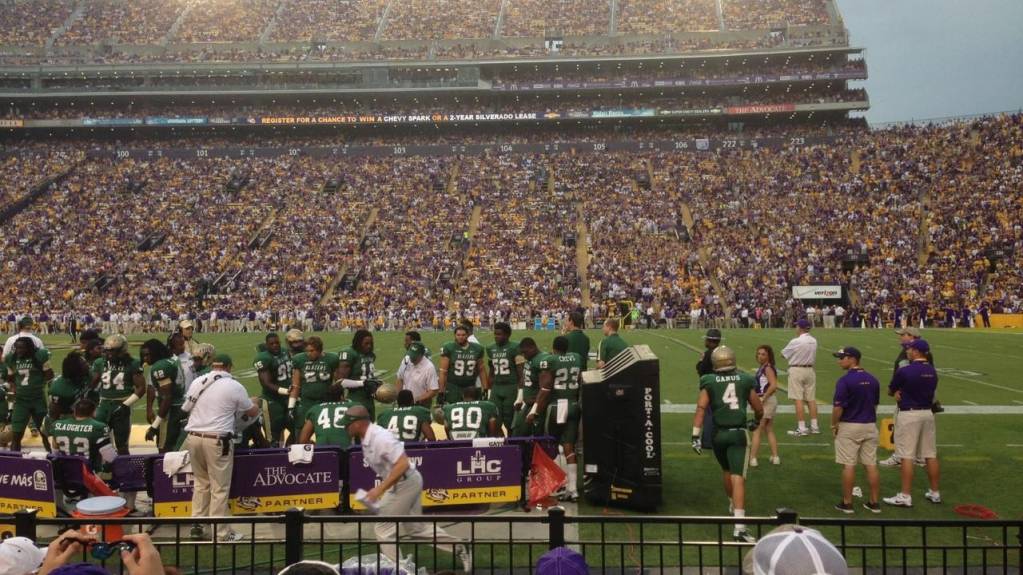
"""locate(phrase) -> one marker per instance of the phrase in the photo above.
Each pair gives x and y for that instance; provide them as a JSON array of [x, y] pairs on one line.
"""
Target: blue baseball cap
[[920, 345], [848, 351], [561, 561], [803, 324]]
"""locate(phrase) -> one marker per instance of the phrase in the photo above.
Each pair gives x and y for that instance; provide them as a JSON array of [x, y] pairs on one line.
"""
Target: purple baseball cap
[[920, 345], [803, 324], [561, 561]]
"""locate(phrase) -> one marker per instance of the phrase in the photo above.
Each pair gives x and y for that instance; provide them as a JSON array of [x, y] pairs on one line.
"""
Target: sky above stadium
[[939, 58]]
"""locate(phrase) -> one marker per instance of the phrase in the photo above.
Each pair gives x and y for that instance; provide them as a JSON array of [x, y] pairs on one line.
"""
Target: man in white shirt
[[24, 330], [399, 490], [211, 423], [418, 375], [801, 353]]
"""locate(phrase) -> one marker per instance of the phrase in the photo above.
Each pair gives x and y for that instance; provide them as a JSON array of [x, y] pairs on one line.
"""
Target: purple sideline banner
[[260, 483], [453, 475], [27, 483]]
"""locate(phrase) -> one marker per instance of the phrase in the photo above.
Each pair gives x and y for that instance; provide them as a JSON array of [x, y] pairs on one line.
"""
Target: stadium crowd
[[660, 17], [911, 209]]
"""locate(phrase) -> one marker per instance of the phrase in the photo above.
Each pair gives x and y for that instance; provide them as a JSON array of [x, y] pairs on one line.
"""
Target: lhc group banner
[[453, 475], [26, 483], [260, 483]]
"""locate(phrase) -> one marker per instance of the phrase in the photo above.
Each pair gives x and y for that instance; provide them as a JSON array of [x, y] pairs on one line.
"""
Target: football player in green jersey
[[120, 381], [28, 370], [167, 379], [461, 362], [312, 373], [324, 420], [92, 349], [578, 342], [471, 418], [558, 405], [727, 392], [612, 344], [506, 367], [69, 387], [81, 434], [407, 421], [273, 369], [357, 370], [539, 373]]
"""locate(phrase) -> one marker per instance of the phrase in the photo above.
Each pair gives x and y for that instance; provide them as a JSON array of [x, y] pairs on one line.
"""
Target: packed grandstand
[[370, 163]]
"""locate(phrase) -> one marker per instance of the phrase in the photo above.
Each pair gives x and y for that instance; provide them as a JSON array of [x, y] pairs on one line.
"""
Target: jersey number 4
[[729, 398]]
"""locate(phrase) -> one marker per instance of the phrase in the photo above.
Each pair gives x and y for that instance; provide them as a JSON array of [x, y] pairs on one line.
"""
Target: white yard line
[[968, 402]]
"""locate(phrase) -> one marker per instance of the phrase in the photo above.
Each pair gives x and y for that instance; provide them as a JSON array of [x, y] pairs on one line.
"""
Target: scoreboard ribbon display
[[27, 483], [453, 475], [260, 483]]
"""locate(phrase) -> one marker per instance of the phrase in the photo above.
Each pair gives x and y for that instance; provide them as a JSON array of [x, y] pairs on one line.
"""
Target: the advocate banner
[[453, 475], [260, 483], [26, 483], [817, 292], [761, 109]]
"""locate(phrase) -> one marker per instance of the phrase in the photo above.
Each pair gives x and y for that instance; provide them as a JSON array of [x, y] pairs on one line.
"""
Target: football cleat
[[753, 462], [775, 460], [463, 554], [798, 432], [932, 496], [872, 507], [743, 536]]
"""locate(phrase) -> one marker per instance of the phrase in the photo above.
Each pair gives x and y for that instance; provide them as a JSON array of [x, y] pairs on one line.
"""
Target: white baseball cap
[[20, 556], [795, 550]]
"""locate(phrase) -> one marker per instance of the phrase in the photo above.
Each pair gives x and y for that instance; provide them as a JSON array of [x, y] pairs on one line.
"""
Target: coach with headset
[[211, 424]]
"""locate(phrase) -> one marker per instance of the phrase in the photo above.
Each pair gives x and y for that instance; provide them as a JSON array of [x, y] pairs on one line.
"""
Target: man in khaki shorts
[[854, 424], [801, 353], [914, 387]]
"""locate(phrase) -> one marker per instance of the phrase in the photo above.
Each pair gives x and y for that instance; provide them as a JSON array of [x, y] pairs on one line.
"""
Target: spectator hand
[[697, 445], [63, 549], [144, 559]]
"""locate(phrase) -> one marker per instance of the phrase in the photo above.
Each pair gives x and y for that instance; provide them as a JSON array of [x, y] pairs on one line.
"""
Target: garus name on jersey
[[73, 427], [285, 476], [723, 378]]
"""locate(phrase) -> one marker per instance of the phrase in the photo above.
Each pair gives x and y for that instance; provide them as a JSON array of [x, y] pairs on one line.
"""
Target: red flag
[[545, 477], [94, 484]]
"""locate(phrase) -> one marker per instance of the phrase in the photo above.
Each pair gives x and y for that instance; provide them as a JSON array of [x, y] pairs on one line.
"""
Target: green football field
[[979, 440], [979, 436]]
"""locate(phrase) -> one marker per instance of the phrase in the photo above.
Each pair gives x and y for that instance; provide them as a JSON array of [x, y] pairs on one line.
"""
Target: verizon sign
[[817, 292]]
